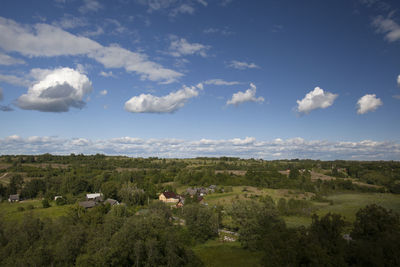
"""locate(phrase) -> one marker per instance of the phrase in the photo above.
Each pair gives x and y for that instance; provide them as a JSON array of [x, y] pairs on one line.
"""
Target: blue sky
[[175, 78]]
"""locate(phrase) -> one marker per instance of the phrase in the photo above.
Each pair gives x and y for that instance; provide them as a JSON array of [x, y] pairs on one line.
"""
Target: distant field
[[230, 254], [9, 210], [348, 204]]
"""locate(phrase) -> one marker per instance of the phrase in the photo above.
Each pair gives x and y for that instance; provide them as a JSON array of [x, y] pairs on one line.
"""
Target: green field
[[347, 204], [10, 211], [230, 254]]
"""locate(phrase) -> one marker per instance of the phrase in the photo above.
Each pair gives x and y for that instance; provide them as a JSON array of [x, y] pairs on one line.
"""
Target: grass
[[347, 204], [9, 211], [231, 254], [297, 221]]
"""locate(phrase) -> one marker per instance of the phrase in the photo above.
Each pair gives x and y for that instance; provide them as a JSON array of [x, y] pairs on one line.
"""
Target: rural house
[[169, 197], [13, 198], [94, 197]]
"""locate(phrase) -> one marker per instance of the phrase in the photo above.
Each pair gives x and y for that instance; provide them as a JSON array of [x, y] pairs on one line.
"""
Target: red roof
[[170, 195]]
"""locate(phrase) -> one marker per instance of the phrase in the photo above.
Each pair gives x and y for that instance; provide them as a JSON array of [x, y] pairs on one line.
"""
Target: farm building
[[169, 197], [13, 198], [94, 197]]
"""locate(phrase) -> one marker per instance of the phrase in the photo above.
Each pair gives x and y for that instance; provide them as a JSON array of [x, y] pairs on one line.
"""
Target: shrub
[[61, 201], [20, 209], [30, 207], [46, 204]]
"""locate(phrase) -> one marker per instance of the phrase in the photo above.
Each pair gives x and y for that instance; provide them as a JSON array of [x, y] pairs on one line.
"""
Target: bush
[[61, 201], [46, 204], [20, 209], [30, 207]]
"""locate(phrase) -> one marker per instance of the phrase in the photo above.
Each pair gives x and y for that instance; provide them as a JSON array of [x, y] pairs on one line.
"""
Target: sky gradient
[[174, 78]]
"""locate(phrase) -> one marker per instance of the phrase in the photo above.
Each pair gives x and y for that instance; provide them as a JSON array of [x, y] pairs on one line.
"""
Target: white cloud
[[107, 74], [240, 65], [220, 82], [147, 103], [1, 94], [388, 27], [117, 57], [247, 147], [224, 31], [398, 80], [315, 99], [90, 6], [48, 41], [14, 80], [70, 22], [248, 96], [104, 92], [368, 103], [56, 91], [225, 2], [182, 9], [180, 47], [204, 3], [172, 7], [7, 60]]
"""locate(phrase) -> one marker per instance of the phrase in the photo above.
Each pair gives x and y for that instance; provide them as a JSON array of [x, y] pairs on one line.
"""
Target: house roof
[[93, 195], [87, 204], [170, 195], [14, 197]]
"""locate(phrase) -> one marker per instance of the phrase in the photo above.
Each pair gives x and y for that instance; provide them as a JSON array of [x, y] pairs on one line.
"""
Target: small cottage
[[169, 197], [95, 197], [13, 198]]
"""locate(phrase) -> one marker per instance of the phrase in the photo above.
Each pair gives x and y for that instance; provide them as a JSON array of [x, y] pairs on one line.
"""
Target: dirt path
[[4, 175]]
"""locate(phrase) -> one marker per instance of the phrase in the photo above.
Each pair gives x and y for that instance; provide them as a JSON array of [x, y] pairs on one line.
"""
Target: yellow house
[[169, 197]]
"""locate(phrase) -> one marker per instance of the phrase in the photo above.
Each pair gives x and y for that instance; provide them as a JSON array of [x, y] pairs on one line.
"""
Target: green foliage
[[60, 201], [45, 203], [376, 235], [202, 222]]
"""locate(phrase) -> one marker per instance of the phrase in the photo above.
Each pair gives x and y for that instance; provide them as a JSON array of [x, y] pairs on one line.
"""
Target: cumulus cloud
[[317, 98], [398, 80], [248, 96], [368, 103], [45, 40], [147, 103], [220, 82], [388, 27], [104, 92], [56, 91], [240, 65], [247, 147], [180, 47], [7, 60], [1, 94]]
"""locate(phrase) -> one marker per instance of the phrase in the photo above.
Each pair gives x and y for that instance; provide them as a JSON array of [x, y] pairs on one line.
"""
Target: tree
[[376, 237], [201, 221]]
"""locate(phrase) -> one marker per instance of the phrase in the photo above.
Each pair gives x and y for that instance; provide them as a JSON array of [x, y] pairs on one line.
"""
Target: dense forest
[[146, 232]]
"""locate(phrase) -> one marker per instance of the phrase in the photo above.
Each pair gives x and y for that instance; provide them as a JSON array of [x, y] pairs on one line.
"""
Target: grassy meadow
[[10, 211], [217, 253]]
